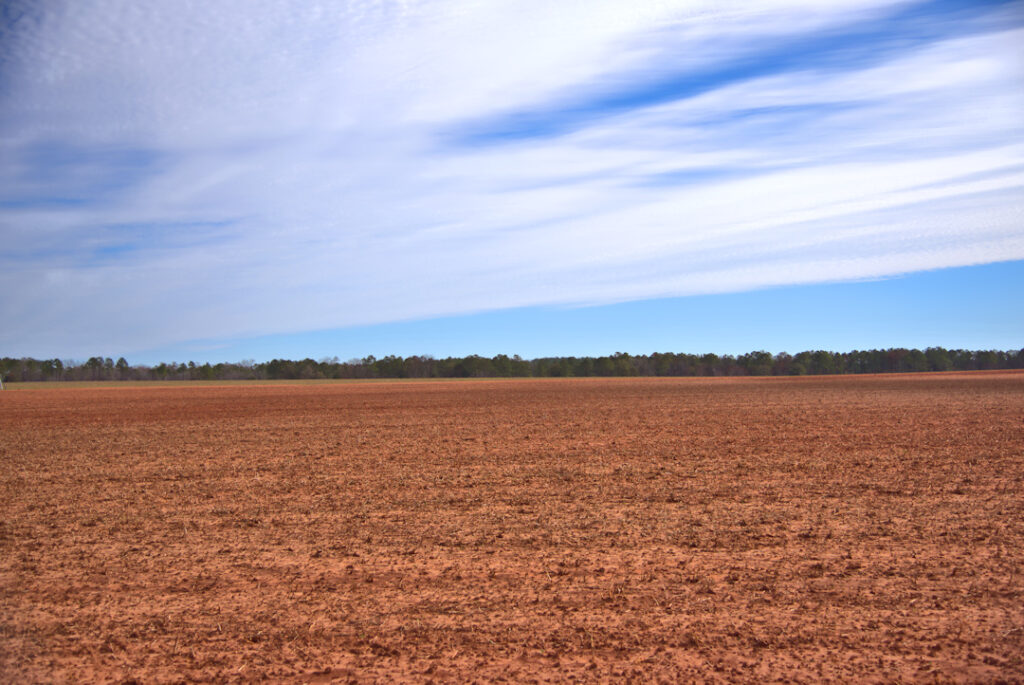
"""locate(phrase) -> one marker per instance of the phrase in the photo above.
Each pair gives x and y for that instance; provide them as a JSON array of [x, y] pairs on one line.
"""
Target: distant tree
[[502, 365], [560, 368], [938, 359], [95, 367], [781, 364], [390, 367], [988, 359], [684, 365], [711, 365], [604, 366], [915, 360], [419, 367], [521, 367], [757, 363], [661, 364], [620, 364], [582, 367], [822, 362]]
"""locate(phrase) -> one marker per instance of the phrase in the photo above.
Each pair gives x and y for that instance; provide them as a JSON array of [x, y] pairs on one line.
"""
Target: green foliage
[[759, 363]]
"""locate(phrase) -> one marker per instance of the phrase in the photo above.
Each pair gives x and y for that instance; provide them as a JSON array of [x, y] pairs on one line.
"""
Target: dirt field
[[848, 529]]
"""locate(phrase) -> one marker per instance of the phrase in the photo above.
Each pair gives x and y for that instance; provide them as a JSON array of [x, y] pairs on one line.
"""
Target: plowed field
[[854, 528]]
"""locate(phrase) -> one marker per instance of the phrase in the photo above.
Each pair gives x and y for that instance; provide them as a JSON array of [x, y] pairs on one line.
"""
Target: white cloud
[[301, 168]]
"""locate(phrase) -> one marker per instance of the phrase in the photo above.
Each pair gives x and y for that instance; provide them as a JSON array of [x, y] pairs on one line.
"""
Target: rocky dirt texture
[[852, 529]]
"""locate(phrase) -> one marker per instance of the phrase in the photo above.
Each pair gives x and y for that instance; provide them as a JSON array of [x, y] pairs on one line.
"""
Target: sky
[[253, 179]]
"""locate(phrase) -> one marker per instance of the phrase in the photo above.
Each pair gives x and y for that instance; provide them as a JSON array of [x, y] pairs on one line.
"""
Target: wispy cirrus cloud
[[247, 168]]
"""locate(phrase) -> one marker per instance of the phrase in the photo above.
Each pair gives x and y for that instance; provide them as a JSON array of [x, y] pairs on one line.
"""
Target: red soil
[[853, 528]]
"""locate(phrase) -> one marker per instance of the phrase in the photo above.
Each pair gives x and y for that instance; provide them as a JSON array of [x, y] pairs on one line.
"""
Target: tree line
[[815, 362]]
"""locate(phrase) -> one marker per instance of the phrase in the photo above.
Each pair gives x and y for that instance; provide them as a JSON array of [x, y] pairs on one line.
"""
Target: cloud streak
[[251, 168]]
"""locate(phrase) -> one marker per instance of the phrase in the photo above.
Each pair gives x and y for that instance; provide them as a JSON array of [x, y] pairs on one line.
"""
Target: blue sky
[[266, 179], [963, 308]]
